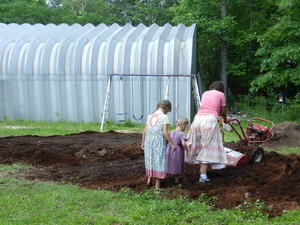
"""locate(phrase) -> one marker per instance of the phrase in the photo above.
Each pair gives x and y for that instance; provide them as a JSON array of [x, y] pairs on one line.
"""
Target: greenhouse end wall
[[60, 72]]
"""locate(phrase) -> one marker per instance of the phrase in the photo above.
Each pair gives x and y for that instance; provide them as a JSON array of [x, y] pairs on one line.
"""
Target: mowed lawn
[[35, 202]]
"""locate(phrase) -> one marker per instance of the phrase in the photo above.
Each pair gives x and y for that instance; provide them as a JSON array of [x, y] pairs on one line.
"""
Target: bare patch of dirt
[[113, 160], [285, 134]]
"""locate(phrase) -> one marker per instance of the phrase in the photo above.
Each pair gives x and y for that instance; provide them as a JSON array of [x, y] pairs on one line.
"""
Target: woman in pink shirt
[[204, 138]]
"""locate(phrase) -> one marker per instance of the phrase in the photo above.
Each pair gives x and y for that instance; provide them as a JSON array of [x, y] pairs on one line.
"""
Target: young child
[[154, 143], [175, 157]]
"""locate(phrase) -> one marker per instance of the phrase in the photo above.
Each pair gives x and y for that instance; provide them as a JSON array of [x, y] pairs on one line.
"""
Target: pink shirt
[[211, 103]]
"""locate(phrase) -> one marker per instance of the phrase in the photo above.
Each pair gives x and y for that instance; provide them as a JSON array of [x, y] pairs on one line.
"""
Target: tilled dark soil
[[113, 160]]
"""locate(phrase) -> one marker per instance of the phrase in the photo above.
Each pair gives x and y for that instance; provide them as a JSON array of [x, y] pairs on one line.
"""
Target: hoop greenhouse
[[61, 72]]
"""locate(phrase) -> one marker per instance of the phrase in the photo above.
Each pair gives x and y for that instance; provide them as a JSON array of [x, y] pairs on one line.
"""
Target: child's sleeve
[[182, 137], [148, 119], [165, 119]]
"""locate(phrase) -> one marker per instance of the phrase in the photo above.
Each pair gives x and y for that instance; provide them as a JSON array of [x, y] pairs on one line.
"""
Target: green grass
[[285, 150], [32, 202], [21, 127]]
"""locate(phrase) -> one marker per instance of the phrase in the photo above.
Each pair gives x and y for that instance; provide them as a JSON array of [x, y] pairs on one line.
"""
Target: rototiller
[[248, 148]]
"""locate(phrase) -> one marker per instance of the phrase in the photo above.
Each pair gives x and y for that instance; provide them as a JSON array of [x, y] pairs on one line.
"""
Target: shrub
[[267, 107]]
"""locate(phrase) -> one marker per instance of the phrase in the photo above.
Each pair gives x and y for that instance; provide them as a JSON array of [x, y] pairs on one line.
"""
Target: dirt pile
[[285, 134], [70, 149], [114, 160]]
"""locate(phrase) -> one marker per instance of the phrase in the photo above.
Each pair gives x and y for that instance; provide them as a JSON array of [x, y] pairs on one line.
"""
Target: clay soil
[[113, 161]]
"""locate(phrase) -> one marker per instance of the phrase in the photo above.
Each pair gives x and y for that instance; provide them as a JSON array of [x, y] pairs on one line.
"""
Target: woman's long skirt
[[205, 142]]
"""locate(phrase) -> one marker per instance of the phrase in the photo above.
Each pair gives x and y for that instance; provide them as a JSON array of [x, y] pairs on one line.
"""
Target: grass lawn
[[285, 150], [21, 127], [34, 202]]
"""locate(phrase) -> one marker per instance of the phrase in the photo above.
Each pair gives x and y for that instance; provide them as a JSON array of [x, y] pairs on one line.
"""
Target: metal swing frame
[[195, 90]]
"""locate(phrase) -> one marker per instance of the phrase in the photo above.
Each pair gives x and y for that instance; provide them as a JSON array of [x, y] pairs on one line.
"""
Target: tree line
[[255, 44]]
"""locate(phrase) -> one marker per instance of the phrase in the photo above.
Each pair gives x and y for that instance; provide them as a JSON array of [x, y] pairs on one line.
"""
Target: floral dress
[[155, 146]]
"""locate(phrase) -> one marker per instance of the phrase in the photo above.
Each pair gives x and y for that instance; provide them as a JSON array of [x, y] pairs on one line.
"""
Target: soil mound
[[69, 149], [113, 160], [285, 134]]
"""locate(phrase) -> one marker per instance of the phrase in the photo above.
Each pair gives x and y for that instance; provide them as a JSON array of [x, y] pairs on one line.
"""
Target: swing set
[[194, 83]]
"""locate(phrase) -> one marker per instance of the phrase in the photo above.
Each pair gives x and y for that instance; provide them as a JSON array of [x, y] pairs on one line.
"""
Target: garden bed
[[114, 160]]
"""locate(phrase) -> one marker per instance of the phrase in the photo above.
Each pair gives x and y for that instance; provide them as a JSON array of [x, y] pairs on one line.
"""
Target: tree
[[280, 52], [24, 11], [88, 11], [252, 18], [223, 49], [211, 29], [140, 11], [239, 29], [154, 11]]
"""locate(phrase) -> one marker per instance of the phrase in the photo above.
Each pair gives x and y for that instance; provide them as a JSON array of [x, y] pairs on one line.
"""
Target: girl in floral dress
[[154, 142]]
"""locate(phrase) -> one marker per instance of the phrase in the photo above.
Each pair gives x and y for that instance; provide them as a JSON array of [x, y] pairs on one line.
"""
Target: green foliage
[[207, 18], [246, 20], [24, 11], [146, 12], [280, 51], [149, 13], [209, 200], [88, 11], [252, 19], [250, 211], [268, 108], [15, 166]]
